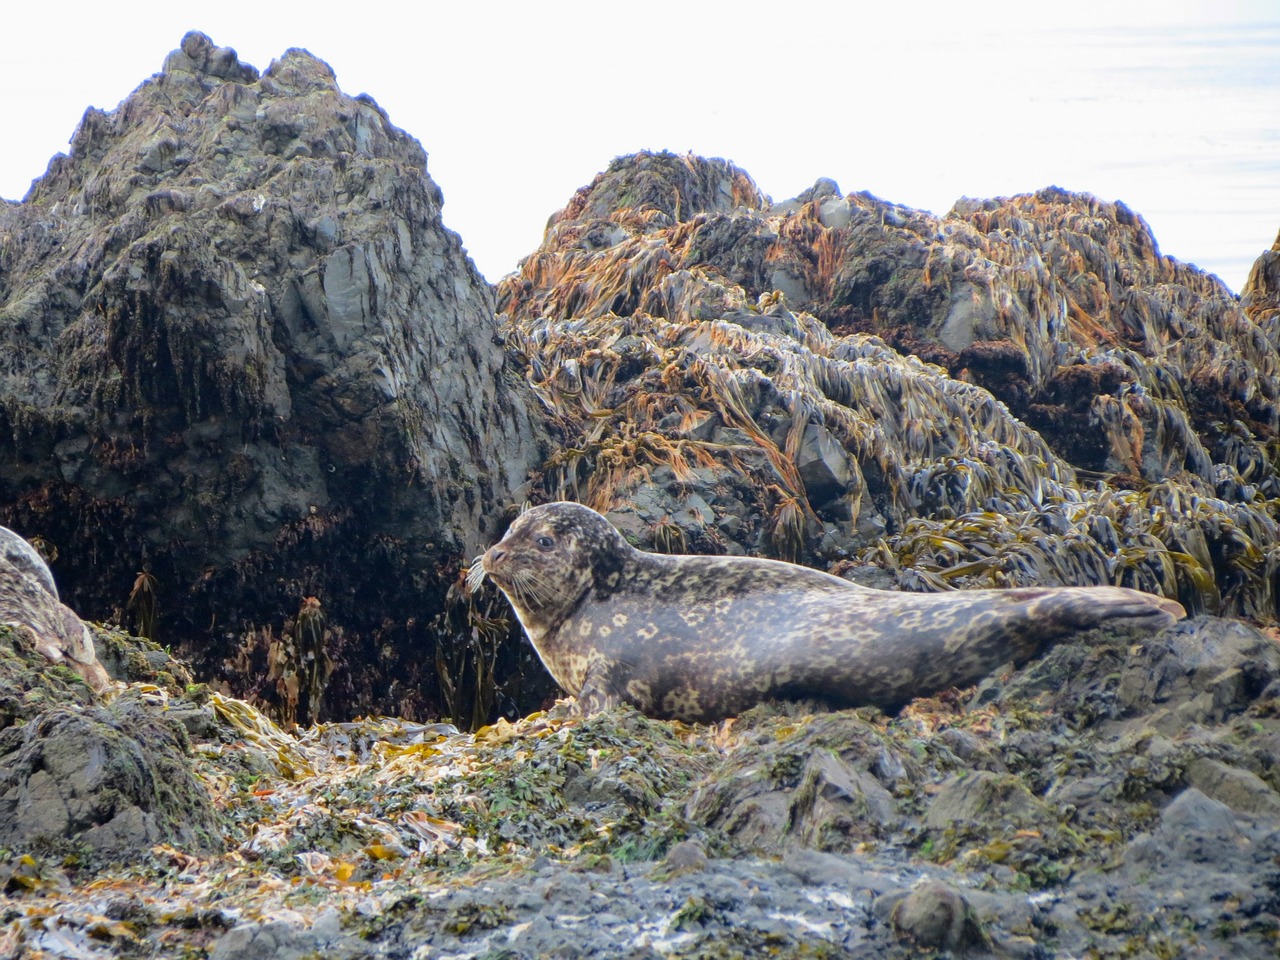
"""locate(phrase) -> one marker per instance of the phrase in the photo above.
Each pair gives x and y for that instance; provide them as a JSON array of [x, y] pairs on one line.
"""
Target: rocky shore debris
[[1049, 813]]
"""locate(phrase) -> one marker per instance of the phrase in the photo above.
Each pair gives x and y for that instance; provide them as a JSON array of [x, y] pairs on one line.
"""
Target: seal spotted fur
[[701, 638]]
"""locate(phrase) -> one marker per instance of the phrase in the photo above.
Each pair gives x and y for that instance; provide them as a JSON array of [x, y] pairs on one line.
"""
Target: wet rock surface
[[90, 769]]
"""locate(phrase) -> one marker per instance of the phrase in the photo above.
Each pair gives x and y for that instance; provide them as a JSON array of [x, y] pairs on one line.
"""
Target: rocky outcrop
[[1023, 391], [114, 779], [244, 355]]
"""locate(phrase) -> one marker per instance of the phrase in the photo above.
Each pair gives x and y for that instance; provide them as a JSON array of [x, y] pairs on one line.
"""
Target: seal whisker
[[530, 585], [523, 591], [475, 574]]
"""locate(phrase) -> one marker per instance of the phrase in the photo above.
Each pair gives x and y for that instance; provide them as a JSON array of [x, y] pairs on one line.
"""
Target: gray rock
[[986, 796], [825, 467], [23, 557], [935, 915], [28, 599], [116, 779], [1241, 790], [687, 856], [1198, 671], [1193, 827], [262, 365], [801, 792], [285, 940], [199, 55]]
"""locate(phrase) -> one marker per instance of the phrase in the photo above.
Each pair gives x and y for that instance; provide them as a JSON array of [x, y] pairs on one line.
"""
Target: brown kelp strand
[[1023, 391]]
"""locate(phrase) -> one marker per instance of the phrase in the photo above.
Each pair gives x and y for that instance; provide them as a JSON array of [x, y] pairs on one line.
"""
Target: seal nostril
[[495, 554]]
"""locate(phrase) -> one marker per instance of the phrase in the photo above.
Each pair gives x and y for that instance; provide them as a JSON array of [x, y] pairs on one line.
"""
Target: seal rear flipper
[[593, 699], [1118, 607]]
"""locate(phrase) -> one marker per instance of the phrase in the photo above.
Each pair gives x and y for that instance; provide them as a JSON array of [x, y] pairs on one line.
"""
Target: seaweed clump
[[1022, 392]]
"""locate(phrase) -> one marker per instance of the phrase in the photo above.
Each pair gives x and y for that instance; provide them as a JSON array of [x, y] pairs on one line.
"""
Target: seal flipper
[[603, 688], [595, 695], [1087, 608]]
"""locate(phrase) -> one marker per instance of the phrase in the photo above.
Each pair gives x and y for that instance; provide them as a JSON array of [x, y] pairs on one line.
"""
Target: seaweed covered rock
[[30, 683], [1260, 297], [1023, 391], [89, 766], [1049, 813], [114, 779], [243, 354]]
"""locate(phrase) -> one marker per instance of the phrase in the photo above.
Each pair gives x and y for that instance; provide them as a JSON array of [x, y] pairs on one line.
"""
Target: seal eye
[[545, 543]]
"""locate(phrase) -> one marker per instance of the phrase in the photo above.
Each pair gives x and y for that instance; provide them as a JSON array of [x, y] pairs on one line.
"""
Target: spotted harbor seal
[[29, 599], [702, 638]]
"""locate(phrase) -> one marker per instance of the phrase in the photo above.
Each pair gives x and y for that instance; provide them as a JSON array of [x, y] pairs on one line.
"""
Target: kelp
[[760, 349]]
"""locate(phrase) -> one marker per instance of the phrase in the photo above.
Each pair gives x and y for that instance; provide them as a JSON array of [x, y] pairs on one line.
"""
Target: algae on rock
[[244, 354], [1088, 411]]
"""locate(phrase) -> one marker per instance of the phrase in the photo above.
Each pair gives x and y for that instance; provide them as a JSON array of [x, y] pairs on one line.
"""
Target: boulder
[[115, 779]]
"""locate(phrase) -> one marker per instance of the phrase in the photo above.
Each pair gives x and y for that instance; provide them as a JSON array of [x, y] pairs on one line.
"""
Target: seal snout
[[484, 566], [493, 557]]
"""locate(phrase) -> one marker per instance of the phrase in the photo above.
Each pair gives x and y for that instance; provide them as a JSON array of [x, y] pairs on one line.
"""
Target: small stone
[[937, 916], [685, 857]]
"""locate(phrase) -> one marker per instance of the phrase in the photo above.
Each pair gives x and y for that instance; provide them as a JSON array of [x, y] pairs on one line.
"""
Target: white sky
[[1172, 107]]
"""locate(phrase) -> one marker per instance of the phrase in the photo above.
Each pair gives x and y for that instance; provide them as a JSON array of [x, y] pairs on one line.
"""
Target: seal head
[[550, 558]]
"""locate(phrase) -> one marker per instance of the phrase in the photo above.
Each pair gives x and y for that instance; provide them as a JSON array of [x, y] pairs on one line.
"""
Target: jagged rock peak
[[232, 324], [664, 188], [297, 69], [1260, 297], [200, 55], [205, 105]]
